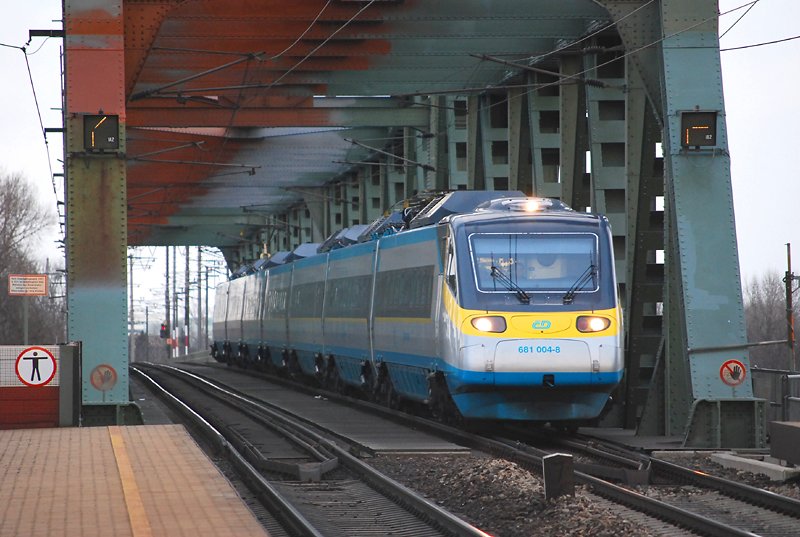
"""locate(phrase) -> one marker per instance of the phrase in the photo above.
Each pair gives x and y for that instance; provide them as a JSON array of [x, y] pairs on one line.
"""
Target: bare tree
[[765, 314], [22, 217], [22, 220]]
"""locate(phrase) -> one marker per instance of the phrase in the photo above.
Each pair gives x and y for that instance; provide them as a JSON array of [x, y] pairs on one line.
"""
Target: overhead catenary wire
[[618, 58], [324, 42], [761, 44], [752, 5], [302, 35]]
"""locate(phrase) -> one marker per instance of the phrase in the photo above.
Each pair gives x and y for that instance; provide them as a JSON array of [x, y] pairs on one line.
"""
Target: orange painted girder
[[279, 9], [247, 117], [195, 63], [259, 100], [212, 29], [272, 46]]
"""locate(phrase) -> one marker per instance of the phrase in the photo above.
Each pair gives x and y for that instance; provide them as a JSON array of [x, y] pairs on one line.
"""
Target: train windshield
[[535, 262]]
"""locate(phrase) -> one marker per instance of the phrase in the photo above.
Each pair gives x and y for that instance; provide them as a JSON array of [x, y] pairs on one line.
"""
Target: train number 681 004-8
[[539, 349]]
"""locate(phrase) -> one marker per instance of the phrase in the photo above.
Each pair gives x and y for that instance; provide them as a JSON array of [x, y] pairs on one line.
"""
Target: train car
[[346, 314], [250, 342], [304, 314], [274, 325], [500, 310], [218, 350], [233, 317]]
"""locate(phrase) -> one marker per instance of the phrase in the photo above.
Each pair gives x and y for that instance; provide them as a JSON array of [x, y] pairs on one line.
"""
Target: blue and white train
[[505, 310]]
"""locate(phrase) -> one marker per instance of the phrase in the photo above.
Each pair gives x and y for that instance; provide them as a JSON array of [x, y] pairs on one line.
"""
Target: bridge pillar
[[702, 378], [96, 204]]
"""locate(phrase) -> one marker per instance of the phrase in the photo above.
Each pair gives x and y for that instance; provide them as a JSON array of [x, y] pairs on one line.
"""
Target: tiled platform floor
[[143, 481]]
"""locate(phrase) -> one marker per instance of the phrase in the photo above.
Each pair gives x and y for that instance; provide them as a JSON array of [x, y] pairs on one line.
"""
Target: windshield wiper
[[587, 276], [498, 274]]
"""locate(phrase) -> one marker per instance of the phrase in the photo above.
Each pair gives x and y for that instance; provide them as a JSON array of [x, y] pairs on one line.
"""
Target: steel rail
[[750, 494], [650, 506], [382, 483], [282, 509]]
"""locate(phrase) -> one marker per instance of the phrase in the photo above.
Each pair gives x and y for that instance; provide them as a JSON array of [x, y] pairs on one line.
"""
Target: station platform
[[138, 481]]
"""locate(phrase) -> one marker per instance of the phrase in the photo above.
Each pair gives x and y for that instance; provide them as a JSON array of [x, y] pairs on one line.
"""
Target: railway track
[[312, 485], [687, 499]]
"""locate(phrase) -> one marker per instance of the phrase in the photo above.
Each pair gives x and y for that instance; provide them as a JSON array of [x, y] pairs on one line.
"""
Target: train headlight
[[489, 324], [592, 324]]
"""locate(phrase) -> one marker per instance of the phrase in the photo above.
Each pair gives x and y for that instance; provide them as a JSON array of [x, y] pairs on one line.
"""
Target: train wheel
[[293, 365], [331, 379], [384, 393], [440, 404], [263, 359], [319, 369]]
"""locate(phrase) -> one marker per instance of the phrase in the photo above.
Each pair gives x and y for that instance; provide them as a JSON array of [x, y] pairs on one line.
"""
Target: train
[[476, 305]]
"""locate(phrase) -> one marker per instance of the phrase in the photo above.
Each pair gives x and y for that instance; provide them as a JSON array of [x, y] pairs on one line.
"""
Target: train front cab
[[532, 318]]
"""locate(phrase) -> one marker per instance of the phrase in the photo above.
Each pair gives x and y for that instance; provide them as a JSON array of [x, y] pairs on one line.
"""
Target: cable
[[596, 32], [740, 18], [629, 53], [287, 49], [40, 46], [41, 123], [761, 44], [315, 49]]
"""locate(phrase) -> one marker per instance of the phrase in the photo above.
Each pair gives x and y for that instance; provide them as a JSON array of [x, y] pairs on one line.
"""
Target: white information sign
[[27, 284]]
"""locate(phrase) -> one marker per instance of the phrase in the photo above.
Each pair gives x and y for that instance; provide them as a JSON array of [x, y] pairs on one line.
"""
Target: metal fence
[[781, 389]]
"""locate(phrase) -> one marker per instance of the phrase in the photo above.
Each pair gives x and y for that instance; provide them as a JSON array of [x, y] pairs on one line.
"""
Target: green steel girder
[[296, 177], [645, 237], [703, 309], [476, 178], [520, 170]]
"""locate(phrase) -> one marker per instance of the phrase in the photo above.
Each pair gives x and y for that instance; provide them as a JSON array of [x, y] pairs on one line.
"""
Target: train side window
[[450, 270]]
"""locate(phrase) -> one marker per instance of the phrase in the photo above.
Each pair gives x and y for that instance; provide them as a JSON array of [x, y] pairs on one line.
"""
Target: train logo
[[542, 324]]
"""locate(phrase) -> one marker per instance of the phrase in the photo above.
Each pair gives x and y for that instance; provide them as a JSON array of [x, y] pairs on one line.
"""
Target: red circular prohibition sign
[[733, 372]]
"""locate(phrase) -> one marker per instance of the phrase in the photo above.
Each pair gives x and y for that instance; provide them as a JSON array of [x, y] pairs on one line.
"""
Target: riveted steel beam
[[707, 392], [194, 114], [96, 209]]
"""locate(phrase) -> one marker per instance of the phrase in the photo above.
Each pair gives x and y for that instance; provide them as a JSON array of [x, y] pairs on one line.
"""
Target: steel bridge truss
[[609, 123]]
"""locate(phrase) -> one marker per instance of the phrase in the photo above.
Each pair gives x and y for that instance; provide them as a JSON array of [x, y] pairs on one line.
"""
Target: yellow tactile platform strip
[[120, 481]]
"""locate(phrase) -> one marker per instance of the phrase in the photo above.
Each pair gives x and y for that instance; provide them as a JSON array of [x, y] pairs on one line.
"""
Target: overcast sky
[[761, 99]]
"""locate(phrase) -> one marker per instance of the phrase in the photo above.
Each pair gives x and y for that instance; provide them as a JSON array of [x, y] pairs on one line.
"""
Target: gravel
[[504, 499], [702, 461]]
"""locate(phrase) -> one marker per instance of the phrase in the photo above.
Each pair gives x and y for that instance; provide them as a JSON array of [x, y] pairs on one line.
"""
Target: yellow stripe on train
[[519, 325]]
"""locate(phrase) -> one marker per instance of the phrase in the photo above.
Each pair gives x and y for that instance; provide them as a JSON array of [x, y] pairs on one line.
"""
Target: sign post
[[26, 285]]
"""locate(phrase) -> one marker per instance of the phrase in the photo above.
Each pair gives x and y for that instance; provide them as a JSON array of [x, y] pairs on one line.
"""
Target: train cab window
[[535, 262]]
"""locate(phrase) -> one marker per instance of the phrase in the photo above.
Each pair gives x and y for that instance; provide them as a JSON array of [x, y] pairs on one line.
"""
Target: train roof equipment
[[278, 258], [304, 250], [457, 202], [425, 209], [342, 238]]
